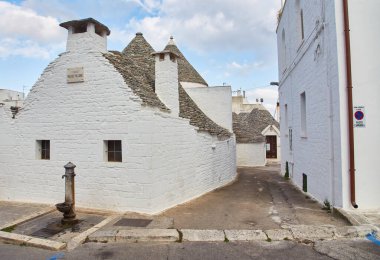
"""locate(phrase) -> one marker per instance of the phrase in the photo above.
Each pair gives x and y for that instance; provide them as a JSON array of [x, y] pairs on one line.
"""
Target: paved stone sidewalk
[[15, 212], [362, 217]]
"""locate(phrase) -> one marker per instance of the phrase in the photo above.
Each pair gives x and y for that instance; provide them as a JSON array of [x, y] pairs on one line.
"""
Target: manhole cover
[[133, 222]]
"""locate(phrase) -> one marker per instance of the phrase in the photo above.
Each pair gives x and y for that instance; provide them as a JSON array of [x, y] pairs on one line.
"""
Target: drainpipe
[[349, 103]]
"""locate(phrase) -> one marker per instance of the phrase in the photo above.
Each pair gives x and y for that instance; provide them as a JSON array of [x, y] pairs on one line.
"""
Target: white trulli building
[[257, 133], [139, 141], [328, 49]]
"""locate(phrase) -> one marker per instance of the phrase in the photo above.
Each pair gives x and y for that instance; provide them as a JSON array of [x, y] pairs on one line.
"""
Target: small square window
[[43, 149], [113, 151], [162, 56]]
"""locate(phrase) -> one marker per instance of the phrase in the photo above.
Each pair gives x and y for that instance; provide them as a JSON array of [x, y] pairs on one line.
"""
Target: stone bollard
[[68, 207]]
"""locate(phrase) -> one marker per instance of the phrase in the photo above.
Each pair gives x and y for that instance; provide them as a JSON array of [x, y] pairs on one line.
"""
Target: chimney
[[86, 35], [166, 81]]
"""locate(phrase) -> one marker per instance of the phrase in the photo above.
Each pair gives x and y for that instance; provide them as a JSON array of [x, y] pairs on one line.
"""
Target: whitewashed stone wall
[[192, 85], [252, 154], [365, 36], [310, 66], [165, 161], [240, 105], [166, 82], [317, 66], [220, 111], [86, 41]]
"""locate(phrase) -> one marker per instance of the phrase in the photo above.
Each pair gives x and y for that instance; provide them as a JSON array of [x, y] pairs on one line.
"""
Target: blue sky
[[227, 41]]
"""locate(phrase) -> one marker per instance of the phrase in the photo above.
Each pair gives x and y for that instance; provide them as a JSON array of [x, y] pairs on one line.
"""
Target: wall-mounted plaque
[[75, 75]]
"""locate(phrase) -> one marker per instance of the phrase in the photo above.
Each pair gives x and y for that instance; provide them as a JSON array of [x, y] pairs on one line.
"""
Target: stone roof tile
[[139, 80]]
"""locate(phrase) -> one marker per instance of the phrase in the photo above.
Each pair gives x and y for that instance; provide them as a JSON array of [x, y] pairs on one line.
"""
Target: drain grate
[[133, 222]]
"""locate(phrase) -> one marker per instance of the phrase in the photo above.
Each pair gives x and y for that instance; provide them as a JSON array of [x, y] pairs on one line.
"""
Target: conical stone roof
[[186, 72], [139, 51], [248, 126], [136, 66]]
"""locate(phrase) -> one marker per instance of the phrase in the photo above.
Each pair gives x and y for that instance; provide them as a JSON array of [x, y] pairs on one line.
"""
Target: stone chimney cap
[[171, 41], [165, 51], [83, 22], [139, 34]]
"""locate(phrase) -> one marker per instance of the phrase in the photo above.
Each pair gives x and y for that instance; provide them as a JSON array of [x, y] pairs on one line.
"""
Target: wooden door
[[271, 146]]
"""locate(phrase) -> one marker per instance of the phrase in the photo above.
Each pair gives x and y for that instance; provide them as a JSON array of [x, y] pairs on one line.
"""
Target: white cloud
[[27, 48], [63, 11], [213, 25], [148, 5], [16, 21], [25, 33], [243, 69], [269, 94]]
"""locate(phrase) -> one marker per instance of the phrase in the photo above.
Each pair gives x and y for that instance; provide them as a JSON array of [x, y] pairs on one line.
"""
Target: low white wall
[[252, 154], [215, 102], [165, 161]]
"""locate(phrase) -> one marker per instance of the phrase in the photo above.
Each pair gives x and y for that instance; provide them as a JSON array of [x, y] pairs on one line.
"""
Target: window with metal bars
[[114, 150], [43, 149]]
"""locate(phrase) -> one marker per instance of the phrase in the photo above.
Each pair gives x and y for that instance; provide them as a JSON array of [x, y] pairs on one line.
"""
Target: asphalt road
[[339, 249]]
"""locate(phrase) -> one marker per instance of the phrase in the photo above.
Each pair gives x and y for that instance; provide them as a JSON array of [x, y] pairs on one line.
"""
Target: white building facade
[[316, 113], [164, 151], [11, 98]]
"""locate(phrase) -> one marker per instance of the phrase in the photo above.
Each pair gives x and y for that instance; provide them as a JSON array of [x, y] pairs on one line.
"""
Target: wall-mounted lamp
[[273, 83]]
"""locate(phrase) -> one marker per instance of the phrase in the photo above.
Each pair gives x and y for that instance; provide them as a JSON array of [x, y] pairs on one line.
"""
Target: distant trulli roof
[[136, 66], [186, 72], [248, 126]]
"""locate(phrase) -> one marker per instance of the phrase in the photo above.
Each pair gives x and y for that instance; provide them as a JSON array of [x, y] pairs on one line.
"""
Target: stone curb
[[79, 239], [245, 235], [135, 235], [148, 235], [29, 217], [95, 234], [296, 232], [31, 241], [202, 235]]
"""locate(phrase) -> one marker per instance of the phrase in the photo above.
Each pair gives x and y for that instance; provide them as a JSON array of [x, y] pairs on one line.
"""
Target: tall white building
[[329, 92]]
